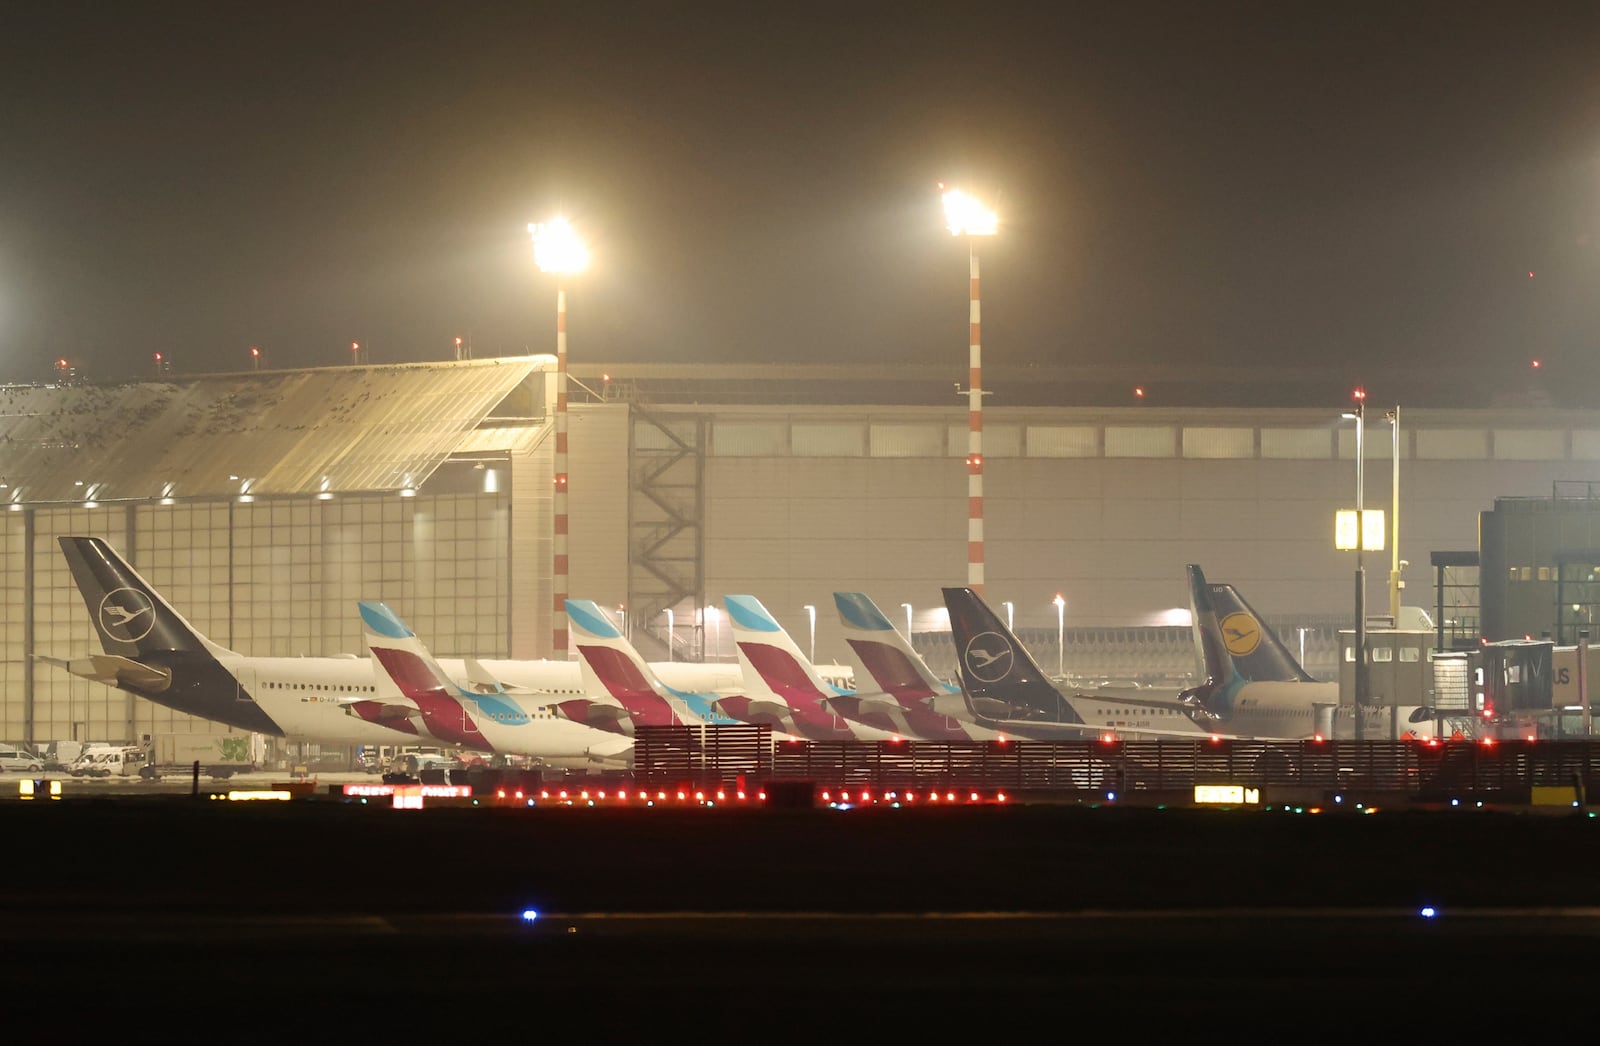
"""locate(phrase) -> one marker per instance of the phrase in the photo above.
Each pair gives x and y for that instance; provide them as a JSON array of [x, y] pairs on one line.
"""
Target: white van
[[121, 761], [14, 758]]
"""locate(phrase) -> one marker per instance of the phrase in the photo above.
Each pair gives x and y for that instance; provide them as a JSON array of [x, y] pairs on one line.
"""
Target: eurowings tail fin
[[611, 665], [608, 662], [408, 677], [772, 664], [777, 673], [1000, 679], [883, 653]]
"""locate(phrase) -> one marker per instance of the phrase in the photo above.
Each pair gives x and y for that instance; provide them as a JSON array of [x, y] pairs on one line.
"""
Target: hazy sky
[[1223, 183]]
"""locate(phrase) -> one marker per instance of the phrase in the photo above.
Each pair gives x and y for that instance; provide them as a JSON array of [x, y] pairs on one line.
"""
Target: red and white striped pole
[[974, 429], [557, 249], [558, 617], [967, 216]]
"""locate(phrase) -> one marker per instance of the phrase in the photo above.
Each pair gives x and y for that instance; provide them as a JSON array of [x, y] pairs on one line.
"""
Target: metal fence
[[1502, 769]]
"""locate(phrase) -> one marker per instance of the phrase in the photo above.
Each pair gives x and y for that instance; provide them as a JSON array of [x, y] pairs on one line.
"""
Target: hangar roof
[[339, 429]]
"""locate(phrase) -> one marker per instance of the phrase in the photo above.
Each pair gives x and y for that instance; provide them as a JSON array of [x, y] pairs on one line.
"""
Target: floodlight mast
[[967, 216], [558, 250]]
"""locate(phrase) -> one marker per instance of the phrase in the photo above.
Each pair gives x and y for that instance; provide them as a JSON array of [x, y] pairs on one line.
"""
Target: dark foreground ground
[[311, 922]]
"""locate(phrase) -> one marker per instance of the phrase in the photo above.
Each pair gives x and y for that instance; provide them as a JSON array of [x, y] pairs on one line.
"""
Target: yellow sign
[[1226, 794], [1240, 633]]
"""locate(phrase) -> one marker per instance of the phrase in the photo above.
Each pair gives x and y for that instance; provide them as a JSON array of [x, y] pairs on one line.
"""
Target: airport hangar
[[265, 504]]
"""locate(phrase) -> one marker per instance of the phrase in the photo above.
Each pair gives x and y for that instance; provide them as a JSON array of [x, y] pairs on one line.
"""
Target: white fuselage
[[308, 698], [1286, 710]]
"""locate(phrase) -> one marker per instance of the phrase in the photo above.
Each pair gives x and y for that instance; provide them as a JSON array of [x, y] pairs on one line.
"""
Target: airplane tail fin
[[772, 664], [408, 677], [407, 666], [1217, 670], [130, 616], [1000, 679], [882, 652], [1257, 653], [608, 662]]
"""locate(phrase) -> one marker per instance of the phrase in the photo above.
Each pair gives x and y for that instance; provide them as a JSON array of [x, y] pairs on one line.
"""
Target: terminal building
[[265, 504]]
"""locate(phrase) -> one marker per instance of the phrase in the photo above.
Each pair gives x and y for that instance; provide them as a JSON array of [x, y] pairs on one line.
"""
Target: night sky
[[1273, 184]]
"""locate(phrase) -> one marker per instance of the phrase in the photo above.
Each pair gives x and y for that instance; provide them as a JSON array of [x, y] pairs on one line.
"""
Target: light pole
[[1061, 635], [965, 215], [1360, 694], [1394, 521], [713, 615], [1010, 617], [670, 630], [907, 607], [557, 249], [811, 612], [1394, 555], [622, 620]]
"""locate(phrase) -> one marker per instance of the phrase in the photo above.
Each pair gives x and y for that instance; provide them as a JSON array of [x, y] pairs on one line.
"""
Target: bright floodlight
[[556, 248], [966, 214]]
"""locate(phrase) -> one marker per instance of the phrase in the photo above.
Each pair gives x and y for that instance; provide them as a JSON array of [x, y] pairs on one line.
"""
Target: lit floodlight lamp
[[966, 214], [557, 248], [1344, 530]]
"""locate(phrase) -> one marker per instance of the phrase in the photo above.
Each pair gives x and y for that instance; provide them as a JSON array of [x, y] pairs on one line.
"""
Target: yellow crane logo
[[1240, 633]]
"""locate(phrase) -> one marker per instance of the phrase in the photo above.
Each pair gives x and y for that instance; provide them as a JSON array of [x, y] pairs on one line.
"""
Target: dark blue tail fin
[[1257, 653], [150, 650], [1001, 681], [129, 615]]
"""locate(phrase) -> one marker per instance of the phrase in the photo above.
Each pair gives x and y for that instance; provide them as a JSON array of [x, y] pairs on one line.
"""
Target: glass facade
[[263, 578]]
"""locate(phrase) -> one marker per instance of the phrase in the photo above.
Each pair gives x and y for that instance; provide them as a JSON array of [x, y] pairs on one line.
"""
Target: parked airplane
[[621, 690], [154, 653], [412, 686], [1254, 683], [1006, 690], [922, 704], [1280, 702], [781, 687], [151, 651]]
